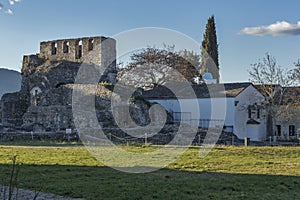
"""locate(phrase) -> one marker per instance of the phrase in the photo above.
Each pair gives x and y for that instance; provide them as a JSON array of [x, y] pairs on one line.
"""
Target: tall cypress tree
[[209, 53]]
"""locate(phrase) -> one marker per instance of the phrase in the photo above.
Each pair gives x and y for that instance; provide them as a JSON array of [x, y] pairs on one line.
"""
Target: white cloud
[[11, 2], [280, 28], [8, 5], [9, 11]]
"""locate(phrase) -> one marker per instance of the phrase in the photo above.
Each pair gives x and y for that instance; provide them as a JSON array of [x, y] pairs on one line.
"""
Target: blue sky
[[24, 24]]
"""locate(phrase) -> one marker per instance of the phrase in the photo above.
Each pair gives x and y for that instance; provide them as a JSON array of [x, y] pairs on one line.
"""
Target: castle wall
[[49, 118], [45, 96], [87, 49], [108, 59], [1, 111], [100, 51], [13, 108]]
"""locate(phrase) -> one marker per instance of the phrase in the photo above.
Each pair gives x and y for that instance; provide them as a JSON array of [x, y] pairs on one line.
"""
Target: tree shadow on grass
[[106, 183]]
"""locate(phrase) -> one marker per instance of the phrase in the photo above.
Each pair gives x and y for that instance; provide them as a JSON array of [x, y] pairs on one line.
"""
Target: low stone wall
[[19, 136], [117, 136]]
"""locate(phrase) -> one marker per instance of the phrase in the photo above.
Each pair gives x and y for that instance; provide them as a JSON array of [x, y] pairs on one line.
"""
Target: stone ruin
[[44, 100]]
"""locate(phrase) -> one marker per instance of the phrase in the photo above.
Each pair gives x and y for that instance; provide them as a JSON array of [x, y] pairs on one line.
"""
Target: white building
[[235, 106], [287, 121]]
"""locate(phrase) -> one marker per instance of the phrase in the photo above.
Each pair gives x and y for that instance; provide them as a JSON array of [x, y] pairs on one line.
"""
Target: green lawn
[[226, 173], [39, 143]]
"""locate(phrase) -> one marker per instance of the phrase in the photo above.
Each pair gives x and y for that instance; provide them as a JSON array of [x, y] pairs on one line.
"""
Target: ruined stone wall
[[13, 108], [87, 49], [73, 50], [1, 111], [108, 59], [48, 118], [44, 101], [100, 51]]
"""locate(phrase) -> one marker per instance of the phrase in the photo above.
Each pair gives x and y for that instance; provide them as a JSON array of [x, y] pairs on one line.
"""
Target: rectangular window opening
[[278, 130], [66, 47], [292, 130], [249, 113], [91, 44], [79, 49], [53, 48]]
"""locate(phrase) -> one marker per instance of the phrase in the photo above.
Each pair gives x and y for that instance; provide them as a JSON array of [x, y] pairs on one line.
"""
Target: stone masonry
[[44, 101]]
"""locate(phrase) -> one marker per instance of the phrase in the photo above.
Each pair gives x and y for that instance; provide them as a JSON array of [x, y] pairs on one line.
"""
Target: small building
[[237, 107], [287, 121]]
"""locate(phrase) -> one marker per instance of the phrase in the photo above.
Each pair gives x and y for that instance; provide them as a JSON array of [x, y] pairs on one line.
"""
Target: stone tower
[[99, 50], [44, 101]]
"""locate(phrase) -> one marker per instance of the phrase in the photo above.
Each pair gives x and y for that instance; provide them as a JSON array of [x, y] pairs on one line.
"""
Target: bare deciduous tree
[[152, 67], [147, 76], [296, 73], [273, 83]]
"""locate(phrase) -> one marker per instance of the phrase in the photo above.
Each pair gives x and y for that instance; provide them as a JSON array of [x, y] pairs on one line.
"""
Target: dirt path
[[22, 194]]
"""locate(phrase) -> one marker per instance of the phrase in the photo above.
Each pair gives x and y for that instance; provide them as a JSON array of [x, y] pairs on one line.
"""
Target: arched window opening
[[66, 47], [60, 84], [54, 48], [79, 49], [91, 44]]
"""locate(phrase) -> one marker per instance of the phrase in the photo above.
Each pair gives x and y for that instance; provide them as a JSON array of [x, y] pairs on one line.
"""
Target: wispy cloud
[[7, 7], [9, 11], [280, 28]]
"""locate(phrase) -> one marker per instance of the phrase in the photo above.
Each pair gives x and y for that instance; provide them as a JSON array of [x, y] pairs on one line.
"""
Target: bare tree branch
[[273, 82]]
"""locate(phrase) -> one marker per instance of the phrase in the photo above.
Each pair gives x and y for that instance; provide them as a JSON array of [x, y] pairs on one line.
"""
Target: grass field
[[226, 173]]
